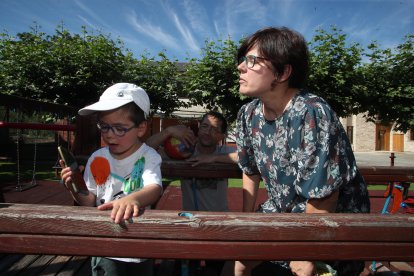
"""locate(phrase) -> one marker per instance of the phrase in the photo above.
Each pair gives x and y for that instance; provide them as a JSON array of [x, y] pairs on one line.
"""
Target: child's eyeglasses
[[116, 129]]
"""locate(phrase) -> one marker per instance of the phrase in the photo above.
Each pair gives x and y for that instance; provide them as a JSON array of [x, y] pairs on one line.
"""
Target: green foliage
[[335, 73], [160, 78], [64, 68], [389, 84], [74, 69], [212, 80]]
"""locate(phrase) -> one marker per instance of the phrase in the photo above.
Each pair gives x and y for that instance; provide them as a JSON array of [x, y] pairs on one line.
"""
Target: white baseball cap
[[118, 95]]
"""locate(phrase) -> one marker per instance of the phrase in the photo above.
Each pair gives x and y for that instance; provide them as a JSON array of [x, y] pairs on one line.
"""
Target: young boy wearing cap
[[125, 175]]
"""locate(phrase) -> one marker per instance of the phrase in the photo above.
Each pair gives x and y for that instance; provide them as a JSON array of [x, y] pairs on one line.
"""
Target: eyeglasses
[[116, 129], [250, 60], [206, 128]]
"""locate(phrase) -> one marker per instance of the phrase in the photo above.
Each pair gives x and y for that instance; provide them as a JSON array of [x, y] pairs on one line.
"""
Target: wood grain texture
[[371, 174], [70, 230]]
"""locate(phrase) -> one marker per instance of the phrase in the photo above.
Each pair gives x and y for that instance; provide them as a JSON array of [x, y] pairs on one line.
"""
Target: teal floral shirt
[[303, 154]]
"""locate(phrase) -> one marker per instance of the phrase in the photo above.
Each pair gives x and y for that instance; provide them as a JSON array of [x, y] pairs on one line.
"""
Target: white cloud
[[149, 29], [197, 18], [87, 22], [186, 33], [241, 15], [91, 14]]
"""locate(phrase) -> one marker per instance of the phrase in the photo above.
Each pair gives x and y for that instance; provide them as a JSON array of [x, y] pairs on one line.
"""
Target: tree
[[389, 84], [335, 71], [160, 78], [75, 69], [212, 80], [64, 68]]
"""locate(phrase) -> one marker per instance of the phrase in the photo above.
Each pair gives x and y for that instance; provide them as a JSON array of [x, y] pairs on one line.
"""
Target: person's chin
[[242, 90], [245, 92]]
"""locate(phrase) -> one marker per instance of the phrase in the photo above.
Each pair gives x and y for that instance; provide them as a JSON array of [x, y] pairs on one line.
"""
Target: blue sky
[[181, 26]]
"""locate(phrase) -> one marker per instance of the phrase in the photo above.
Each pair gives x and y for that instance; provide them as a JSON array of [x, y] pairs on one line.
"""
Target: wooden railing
[[371, 174], [161, 234], [67, 230]]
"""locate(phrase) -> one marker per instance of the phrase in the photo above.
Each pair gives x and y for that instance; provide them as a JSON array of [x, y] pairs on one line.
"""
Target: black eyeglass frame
[[119, 131], [252, 58]]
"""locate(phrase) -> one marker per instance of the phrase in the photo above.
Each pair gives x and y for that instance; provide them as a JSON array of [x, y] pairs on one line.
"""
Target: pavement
[[382, 158]]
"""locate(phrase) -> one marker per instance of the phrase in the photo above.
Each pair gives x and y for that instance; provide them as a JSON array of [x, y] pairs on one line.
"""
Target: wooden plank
[[222, 170], [56, 265], [159, 234], [402, 266], [214, 170], [8, 260], [38, 265], [167, 249], [65, 220], [75, 265], [21, 265], [46, 192]]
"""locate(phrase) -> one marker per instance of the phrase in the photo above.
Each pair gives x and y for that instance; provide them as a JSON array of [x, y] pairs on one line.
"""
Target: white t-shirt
[[110, 178]]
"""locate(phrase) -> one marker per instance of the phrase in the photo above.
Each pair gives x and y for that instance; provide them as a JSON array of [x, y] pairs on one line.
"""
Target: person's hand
[[303, 268], [201, 159], [65, 174], [183, 133], [122, 209]]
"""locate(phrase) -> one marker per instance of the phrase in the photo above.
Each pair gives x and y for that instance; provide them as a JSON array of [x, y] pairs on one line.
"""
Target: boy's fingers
[[105, 206], [136, 211], [119, 214]]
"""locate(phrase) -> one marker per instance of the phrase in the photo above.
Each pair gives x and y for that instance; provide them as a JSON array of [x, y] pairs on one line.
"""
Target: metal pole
[[392, 157]]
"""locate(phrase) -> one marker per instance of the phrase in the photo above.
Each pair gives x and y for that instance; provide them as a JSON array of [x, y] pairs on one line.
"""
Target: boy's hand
[[122, 209], [65, 173]]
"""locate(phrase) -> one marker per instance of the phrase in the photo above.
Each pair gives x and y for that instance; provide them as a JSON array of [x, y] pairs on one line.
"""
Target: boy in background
[[203, 194]]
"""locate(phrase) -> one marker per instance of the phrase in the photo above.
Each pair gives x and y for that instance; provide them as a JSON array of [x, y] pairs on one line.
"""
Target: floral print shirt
[[303, 154]]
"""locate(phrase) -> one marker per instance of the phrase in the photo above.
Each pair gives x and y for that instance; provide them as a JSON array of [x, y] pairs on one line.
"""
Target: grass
[[8, 171], [233, 182], [237, 183]]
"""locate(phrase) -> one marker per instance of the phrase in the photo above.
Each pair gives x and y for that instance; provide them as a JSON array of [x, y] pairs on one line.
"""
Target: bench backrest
[[85, 231], [371, 174]]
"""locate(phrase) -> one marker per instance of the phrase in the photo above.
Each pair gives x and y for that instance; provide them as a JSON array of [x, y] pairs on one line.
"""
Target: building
[[374, 136]]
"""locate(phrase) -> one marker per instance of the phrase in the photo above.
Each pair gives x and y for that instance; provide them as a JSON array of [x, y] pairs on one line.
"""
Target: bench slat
[[221, 170], [71, 230], [171, 249]]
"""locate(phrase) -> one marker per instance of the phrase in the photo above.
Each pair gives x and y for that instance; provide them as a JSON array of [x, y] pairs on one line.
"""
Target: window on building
[[350, 133], [412, 134]]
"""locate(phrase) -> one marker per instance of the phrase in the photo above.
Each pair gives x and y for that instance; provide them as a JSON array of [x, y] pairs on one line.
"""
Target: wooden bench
[[71, 230], [372, 174]]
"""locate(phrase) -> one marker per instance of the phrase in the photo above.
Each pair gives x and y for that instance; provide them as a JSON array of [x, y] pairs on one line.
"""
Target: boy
[[125, 175], [200, 194]]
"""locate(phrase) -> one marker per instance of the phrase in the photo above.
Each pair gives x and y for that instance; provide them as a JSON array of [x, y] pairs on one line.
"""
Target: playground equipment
[[20, 186], [398, 193]]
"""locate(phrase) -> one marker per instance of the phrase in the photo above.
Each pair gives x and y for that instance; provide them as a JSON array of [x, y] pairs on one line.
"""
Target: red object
[[176, 149]]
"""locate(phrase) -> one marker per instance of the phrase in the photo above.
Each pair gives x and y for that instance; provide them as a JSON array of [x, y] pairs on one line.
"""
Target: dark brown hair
[[281, 46], [219, 116]]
